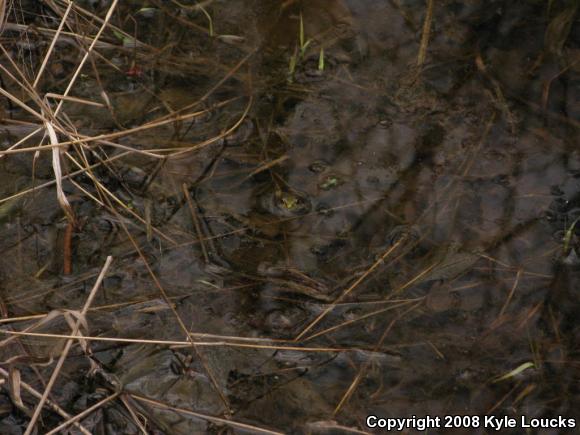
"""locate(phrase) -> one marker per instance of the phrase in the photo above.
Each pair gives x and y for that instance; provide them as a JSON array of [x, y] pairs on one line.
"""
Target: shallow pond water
[[353, 208]]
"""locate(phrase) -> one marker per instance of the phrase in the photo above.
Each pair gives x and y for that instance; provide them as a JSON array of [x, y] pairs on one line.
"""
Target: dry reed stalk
[[65, 177], [231, 423], [87, 54], [73, 99], [511, 294], [68, 345], [49, 117], [92, 18], [176, 344], [195, 220], [60, 195], [21, 104], [134, 415], [66, 36], [23, 140], [358, 319], [4, 7], [49, 403], [14, 387], [52, 43], [104, 137], [22, 81], [426, 33], [109, 207], [503, 399], [354, 285], [353, 386], [214, 87], [266, 166], [180, 321], [83, 414]]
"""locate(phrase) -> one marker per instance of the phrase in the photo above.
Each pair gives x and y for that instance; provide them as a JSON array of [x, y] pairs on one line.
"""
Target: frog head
[[289, 201]]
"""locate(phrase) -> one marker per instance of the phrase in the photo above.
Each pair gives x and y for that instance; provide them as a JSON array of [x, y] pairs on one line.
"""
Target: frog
[[289, 200], [284, 201]]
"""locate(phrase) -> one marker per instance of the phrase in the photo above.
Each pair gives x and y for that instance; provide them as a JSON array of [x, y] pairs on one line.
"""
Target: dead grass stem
[[66, 349]]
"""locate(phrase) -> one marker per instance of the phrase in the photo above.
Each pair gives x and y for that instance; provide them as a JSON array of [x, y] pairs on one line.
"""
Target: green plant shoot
[[516, 371], [568, 236], [302, 38], [209, 20], [292, 65]]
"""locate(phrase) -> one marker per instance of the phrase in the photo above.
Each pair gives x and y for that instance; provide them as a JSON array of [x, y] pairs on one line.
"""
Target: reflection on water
[[407, 230]]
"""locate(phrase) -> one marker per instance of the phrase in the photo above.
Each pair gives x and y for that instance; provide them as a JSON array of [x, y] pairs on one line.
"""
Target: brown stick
[[67, 249]]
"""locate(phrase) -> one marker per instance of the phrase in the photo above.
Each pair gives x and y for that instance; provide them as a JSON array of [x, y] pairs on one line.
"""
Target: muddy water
[[411, 226]]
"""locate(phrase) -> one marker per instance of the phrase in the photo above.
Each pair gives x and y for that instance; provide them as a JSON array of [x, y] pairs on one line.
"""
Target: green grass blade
[[515, 371], [568, 236]]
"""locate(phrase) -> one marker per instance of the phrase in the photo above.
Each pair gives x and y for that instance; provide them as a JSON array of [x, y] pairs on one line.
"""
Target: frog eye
[[318, 166]]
